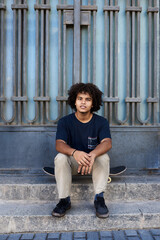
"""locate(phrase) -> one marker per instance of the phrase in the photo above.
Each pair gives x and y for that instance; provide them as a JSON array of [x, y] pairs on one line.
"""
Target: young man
[[82, 140]]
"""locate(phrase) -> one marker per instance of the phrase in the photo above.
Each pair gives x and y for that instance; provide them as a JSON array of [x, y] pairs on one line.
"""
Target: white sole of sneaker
[[102, 216], [54, 214]]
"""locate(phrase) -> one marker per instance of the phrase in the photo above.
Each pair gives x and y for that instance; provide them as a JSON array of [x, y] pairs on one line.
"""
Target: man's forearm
[[64, 148], [102, 148], [81, 157]]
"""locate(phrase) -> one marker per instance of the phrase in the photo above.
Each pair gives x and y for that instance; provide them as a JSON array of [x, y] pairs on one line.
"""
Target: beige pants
[[66, 166]]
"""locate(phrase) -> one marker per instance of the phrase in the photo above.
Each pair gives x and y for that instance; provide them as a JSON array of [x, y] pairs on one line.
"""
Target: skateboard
[[114, 171]]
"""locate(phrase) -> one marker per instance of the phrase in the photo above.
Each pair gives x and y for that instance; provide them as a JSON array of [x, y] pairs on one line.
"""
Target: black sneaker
[[61, 208], [101, 208]]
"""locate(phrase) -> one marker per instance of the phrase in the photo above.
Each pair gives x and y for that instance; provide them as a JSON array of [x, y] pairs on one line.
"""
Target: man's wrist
[[73, 152], [93, 154]]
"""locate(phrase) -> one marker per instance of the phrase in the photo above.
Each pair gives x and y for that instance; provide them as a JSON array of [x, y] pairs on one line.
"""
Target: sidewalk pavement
[[152, 234]]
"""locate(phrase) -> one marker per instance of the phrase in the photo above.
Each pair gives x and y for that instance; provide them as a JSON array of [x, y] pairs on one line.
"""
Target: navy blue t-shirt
[[83, 136]]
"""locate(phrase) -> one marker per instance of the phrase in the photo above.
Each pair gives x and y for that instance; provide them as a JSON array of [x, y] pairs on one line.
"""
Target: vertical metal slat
[[47, 32], [37, 62], [25, 60], [42, 62], [155, 115], [106, 64], [138, 64], [36, 69], [24, 57], [2, 72], [2, 54], [47, 59], [150, 60], [2, 59], [128, 59], [76, 71], [116, 74], [64, 67], [111, 62], [19, 84], [94, 46], [138, 74], [133, 64], [59, 59], [24, 51], [47, 54], [89, 52]]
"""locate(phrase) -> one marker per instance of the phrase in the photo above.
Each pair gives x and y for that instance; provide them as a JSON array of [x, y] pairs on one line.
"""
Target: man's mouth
[[83, 107]]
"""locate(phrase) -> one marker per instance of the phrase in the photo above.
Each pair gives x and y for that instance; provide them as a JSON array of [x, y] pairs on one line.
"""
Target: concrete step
[[28, 216], [43, 187]]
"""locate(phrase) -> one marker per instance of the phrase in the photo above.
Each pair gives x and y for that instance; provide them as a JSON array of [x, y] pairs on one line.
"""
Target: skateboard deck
[[114, 171], [117, 170]]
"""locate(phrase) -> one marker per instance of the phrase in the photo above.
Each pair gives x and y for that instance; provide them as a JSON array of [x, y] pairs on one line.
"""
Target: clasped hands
[[85, 161]]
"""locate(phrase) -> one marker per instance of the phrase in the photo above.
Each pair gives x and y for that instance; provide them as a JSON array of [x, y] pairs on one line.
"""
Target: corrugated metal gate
[[46, 45]]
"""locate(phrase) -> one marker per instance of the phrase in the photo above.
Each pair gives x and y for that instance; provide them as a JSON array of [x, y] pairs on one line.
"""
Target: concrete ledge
[[36, 217], [40, 188]]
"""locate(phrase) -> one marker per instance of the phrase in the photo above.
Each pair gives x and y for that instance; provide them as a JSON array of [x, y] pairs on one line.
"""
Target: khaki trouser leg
[[100, 173], [66, 166]]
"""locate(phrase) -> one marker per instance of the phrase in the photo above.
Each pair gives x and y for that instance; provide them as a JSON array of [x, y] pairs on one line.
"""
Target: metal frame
[[77, 15]]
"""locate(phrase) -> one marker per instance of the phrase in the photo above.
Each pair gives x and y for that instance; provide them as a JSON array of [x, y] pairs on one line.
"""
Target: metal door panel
[[46, 46]]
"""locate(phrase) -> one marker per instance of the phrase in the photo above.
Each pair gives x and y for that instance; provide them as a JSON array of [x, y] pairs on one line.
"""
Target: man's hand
[[103, 147], [83, 170], [93, 156], [87, 169], [82, 158]]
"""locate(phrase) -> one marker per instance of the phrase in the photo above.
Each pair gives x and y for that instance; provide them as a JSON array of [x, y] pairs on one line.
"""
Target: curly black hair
[[89, 88]]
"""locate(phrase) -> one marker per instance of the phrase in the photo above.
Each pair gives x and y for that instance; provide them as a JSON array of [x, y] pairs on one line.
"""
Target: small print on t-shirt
[[92, 142]]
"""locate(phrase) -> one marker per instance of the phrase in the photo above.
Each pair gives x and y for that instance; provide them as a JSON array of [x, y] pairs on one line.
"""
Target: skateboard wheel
[[109, 179]]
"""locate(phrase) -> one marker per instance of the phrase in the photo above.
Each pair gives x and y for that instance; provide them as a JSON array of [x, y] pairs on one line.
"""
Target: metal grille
[[77, 17]]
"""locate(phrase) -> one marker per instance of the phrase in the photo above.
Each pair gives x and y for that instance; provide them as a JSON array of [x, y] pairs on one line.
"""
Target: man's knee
[[104, 157], [61, 159], [103, 160]]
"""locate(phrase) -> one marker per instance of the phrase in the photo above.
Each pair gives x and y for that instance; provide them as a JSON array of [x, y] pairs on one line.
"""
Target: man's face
[[83, 103]]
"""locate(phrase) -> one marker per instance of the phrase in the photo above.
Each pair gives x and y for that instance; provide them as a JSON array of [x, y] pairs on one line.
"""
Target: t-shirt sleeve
[[61, 130], [104, 131]]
